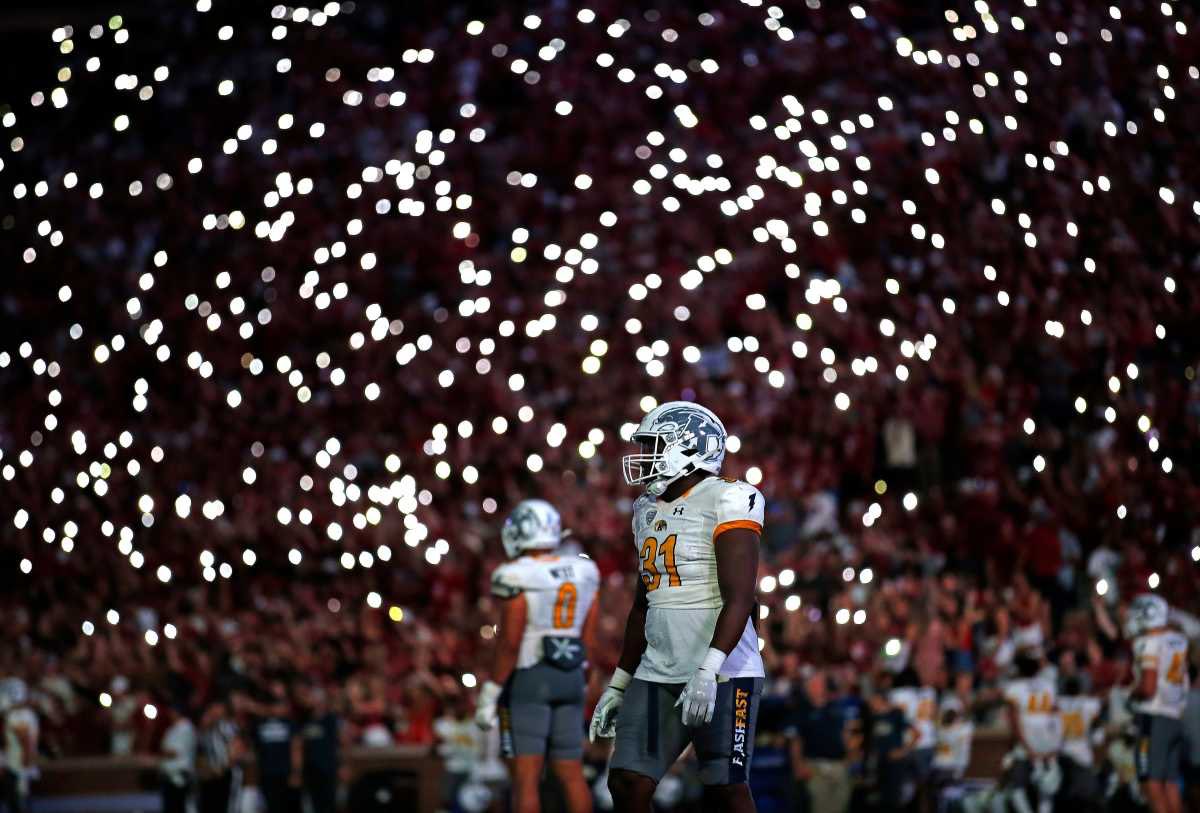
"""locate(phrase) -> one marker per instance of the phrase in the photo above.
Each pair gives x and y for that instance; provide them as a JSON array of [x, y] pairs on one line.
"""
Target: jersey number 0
[[564, 606], [650, 574]]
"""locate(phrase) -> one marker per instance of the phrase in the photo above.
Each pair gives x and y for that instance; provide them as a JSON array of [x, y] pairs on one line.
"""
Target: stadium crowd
[[997, 495]]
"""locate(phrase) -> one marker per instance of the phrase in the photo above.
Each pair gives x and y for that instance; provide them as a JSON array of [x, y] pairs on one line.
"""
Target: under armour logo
[[678, 512], [565, 649]]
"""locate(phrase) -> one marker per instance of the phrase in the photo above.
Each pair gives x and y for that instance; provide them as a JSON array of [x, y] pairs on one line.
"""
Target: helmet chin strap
[[681, 458], [658, 487]]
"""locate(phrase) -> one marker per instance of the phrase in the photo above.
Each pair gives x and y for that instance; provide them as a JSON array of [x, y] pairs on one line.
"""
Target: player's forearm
[[513, 617], [1146, 686], [297, 746], [588, 633], [504, 661], [731, 623], [635, 634], [28, 752], [1103, 619]]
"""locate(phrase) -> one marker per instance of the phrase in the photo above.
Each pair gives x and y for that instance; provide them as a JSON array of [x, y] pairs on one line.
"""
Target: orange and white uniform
[[559, 591], [1166, 653], [1036, 702], [920, 708], [1077, 714], [676, 545]]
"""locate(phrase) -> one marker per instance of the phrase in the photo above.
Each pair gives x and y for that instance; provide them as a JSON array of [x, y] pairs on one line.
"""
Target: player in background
[[20, 732], [547, 624], [952, 754], [1032, 763], [1191, 732], [919, 704], [1159, 695], [1079, 716], [690, 671], [887, 751]]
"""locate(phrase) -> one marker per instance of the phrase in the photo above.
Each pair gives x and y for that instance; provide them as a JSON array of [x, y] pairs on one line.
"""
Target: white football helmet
[[15, 693], [533, 525], [1146, 612], [676, 438]]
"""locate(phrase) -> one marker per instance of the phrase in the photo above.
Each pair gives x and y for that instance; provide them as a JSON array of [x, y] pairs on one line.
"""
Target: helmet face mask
[[674, 440], [641, 467]]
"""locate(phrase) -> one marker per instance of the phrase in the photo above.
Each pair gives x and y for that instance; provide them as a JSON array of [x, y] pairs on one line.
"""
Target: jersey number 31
[[650, 573]]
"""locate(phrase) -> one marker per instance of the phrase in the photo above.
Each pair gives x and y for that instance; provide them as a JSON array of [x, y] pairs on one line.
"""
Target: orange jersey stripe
[[736, 523]]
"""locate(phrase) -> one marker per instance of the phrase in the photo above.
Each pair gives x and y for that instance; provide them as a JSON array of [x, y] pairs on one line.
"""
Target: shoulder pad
[[506, 582]]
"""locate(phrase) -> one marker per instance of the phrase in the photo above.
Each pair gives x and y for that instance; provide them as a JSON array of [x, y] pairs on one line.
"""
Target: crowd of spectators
[[951, 438]]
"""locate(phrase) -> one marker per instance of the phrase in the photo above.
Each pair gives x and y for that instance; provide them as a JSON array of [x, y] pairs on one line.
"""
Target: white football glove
[[604, 718], [699, 696], [485, 706]]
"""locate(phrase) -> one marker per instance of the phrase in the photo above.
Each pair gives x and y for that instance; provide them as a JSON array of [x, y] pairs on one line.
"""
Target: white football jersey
[[678, 564], [1037, 714], [1166, 653], [953, 751], [1077, 714], [559, 591], [920, 708], [14, 721]]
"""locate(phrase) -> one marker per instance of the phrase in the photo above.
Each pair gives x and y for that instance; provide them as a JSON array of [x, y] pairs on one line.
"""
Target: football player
[[1079, 715], [547, 623], [690, 670], [919, 704], [1159, 695], [18, 767], [1037, 733]]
